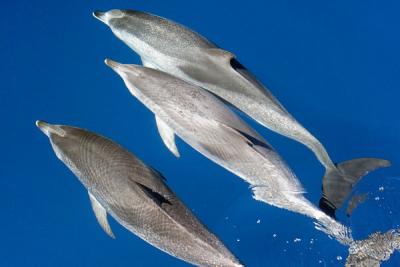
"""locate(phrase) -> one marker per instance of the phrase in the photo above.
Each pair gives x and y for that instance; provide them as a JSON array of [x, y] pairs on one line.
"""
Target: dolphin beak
[[123, 69], [44, 127], [48, 128], [100, 16], [117, 67], [112, 64]]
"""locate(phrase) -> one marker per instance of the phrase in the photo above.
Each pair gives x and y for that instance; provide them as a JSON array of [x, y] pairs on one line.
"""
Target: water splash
[[372, 251]]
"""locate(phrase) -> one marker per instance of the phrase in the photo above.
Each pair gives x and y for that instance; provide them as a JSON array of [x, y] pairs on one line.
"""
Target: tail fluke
[[338, 183], [354, 202]]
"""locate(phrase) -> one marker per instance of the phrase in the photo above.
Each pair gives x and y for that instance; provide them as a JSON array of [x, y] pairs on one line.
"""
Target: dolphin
[[136, 196], [170, 47], [210, 127]]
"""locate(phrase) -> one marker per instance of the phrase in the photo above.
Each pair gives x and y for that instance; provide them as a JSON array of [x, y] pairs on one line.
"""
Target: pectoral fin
[[168, 136], [101, 215], [258, 144]]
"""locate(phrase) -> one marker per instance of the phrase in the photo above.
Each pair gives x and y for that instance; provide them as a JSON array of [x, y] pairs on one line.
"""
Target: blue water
[[333, 64]]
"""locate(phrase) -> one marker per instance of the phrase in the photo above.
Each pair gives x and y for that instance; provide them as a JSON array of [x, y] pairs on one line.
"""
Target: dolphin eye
[[115, 13]]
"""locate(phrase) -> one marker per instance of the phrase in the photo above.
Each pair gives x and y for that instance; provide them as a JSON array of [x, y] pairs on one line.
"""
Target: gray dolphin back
[[152, 32], [137, 197]]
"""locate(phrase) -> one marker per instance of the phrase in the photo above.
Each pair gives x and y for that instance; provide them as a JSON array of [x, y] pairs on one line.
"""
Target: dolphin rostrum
[[170, 47], [136, 196], [210, 127]]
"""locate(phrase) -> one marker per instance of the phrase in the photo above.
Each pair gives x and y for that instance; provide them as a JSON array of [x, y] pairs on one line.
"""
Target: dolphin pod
[[205, 123], [170, 47], [186, 81], [136, 196]]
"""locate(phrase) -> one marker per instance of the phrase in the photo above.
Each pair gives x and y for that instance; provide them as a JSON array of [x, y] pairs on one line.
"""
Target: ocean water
[[334, 66]]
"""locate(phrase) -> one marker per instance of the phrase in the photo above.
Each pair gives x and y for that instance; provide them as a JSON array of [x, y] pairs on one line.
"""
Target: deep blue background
[[333, 64]]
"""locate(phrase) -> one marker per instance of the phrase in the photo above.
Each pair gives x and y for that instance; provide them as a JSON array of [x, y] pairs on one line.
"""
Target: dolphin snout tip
[[105, 17], [43, 126], [112, 64], [124, 69], [48, 128], [100, 15]]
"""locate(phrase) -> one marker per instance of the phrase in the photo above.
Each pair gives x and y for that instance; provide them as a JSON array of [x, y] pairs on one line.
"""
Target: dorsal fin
[[168, 136], [220, 55], [259, 145], [256, 143], [101, 215], [158, 173], [155, 196]]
